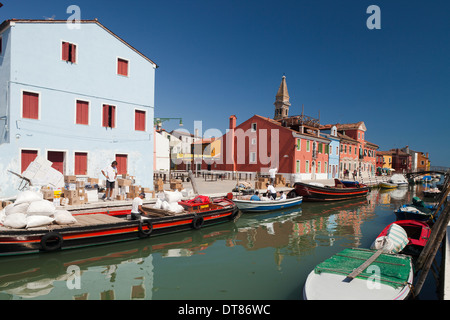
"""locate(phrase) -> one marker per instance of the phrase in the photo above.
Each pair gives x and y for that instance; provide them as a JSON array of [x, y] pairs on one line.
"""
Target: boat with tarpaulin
[[246, 205], [329, 280], [317, 192]]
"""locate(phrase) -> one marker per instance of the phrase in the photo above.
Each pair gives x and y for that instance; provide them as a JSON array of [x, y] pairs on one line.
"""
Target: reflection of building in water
[[296, 236], [129, 280]]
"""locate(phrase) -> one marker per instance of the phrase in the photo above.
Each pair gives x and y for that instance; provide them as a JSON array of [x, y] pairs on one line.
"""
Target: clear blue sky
[[219, 58]]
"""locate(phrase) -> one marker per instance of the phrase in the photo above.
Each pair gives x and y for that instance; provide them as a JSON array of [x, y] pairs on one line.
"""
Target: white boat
[[399, 180], [330, 281], [266, 205]]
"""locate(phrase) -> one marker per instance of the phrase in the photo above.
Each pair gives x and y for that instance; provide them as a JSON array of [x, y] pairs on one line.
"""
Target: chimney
[[232, 122]]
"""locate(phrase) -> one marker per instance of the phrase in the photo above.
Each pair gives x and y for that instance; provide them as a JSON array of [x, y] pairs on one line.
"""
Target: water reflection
[[254, 256]]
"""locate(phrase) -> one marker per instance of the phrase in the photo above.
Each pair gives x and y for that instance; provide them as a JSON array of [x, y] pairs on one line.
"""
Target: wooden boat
[[387, 185], [411, 212], [264, 206], [418, 210], [100, 228], [312, 192], [418, 233], [329, 280]]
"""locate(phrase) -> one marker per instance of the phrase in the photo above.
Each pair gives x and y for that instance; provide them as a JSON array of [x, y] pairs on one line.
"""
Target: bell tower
[[282, 103]]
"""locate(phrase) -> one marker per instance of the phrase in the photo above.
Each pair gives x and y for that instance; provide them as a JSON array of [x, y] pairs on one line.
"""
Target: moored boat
[[417, 234], [315, 192], [330, 279], [399, 180], [269, 205], [387, 185], [417, 210], [100, 228]]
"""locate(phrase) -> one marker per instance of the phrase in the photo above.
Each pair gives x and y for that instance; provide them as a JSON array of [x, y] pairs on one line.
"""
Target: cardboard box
[[120, 197], [123, 182], [70, 179], [70, 194], [74, 201], [93, 181]]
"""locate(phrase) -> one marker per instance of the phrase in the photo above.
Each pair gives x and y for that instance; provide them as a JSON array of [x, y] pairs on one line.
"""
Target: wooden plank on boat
[[364, 266]]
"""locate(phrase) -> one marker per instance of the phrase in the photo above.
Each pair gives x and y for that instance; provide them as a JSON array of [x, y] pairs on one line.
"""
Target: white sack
[[16, 220], [175, 207], [28, 196], [42, 207], [173, 196], [2, 216], [165, 205], [64, 217], [158, 204], [20, 208], [38, 221]]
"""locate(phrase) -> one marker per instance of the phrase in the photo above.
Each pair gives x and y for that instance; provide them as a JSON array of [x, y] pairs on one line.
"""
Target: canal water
[[257, 257]]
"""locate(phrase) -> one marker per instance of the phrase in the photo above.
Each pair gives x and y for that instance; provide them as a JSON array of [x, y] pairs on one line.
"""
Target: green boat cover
[[394, 270]]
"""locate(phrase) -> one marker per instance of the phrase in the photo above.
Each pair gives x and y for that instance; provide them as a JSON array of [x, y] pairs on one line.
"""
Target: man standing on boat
[[136, 207], [110, 173], [271, 192]]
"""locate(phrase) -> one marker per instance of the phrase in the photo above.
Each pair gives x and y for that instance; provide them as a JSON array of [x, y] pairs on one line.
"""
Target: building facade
[[80, 98]]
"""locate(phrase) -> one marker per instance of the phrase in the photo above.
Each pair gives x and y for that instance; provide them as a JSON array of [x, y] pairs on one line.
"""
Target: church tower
[[282, 103]]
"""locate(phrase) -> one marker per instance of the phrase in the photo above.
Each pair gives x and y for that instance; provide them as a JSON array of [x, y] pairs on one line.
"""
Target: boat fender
[[197, 222], [51, 241], [146, 232]]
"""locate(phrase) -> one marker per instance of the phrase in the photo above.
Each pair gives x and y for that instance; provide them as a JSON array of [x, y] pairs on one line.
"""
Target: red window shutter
[[105, 115], [27, 157], [65, 51], [113, 116], [122, 67], [109, 116], [74, 53], [80, 163], [82, 116], [139, 120], [122, 160], [30, 105]]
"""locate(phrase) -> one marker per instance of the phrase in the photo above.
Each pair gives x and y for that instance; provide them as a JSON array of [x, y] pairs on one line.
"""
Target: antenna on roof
[[52, 18]]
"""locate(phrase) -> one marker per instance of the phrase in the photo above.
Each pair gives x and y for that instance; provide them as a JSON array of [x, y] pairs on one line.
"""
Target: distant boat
[[329, 280], [264, 206], [317, 192], [399, 180], [387, 185]]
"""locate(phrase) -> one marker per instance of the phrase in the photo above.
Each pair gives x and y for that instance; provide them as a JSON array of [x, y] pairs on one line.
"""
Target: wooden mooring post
[[438, 232]]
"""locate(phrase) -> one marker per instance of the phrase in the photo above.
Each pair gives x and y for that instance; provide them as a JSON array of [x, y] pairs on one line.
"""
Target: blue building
[[330, 132], [80, 98]]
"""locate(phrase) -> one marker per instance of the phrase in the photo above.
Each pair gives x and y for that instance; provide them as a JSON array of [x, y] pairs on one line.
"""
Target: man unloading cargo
[[136, 207], [110, 173]]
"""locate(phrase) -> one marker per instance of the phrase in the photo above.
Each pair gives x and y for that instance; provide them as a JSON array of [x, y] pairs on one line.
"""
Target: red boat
[[97, 228], [338, 192], [418, 233]]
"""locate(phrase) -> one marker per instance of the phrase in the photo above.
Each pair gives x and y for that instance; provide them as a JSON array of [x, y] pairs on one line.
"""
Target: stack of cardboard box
[[261, 183], [280, 181], [159, 185], [176, 184]]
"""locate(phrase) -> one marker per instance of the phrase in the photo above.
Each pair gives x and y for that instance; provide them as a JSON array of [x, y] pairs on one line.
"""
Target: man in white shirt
[[271, 192], [110, 173], [136, 207], [282, 196]]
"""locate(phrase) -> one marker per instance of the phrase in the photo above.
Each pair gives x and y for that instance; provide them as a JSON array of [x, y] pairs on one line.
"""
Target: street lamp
[[158, 122]]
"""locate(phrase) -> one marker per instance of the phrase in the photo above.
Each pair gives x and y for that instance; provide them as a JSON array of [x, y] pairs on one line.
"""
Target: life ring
[[147, 232], [51, 241], [197, 222]]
